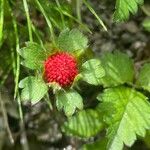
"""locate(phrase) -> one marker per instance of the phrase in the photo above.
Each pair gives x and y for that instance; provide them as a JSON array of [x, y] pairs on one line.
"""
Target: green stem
[[28, 20], [37, 35], [17, 65], [48, 102], [47, 20], [23, 135], [61, 15], [144, 9], [18, 59], [95, 14], [13, 60], [1, 20], [78, 9], [25, 145], [5, 76], [76, 20]]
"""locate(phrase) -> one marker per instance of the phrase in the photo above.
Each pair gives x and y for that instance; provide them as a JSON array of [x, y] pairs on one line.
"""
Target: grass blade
[[1, 20], [28, 19], [95, 14]]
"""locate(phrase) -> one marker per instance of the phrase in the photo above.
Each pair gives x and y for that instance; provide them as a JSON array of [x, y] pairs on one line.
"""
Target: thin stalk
[[13, 61], [47, 20], [78, 9], [1, 20], [5, 76], [48, 102], [61, 15], [145, 10], [95, 14], [37, 35], [18, 59], [55, 22], [17, 65], [28, 19], [23, 140], [76, 20], [4, 113]]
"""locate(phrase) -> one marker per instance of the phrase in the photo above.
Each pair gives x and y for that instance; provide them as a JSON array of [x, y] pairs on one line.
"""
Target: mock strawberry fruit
[[61, 68]]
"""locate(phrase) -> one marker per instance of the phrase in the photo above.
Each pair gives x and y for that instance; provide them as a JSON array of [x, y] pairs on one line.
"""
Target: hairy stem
[[23, 139], [95, 14], [47, 20], [61, 14], [28, 19], [78, 9], [1, 20]]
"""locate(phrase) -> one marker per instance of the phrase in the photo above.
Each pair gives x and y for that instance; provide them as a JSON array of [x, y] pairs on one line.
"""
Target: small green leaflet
[[33, 55], [92, 71], [146, 24], [33, 89], [68, 101], [72, 40], [130, 118], [84, 124], [119, 69], [144, 77], [124, 8]]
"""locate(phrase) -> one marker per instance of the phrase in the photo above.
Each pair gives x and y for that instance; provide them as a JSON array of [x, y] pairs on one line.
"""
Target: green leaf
[[98, 145], [33, 89], [68, 101], [33, 55], [92, 71], [86, 123], [124, 8], [130, 118], [72, 40], [144, 77], [119, 69], [146, 24]]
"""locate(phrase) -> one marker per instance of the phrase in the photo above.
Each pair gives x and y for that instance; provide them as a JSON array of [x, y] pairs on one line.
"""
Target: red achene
[[61, 68]]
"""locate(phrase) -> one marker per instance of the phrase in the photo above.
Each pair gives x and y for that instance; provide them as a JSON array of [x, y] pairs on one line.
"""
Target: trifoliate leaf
[[33, 55], [72, 41], [146, 24], [33, 89], [131, 116], [86, 123], [68, 101], [119, 69], [144, 77], [98, 145], [92, 71], [124, 8]]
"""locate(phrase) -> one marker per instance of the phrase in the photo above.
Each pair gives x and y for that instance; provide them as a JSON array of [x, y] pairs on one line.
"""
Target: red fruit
[[61, 68]]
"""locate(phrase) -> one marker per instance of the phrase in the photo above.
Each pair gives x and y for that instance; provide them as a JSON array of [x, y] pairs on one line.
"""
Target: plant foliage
[[144, 78], [104, 101], [130, 119], [69, 101], [124, 8], [72, 40], [119, 69], [33, 89]]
